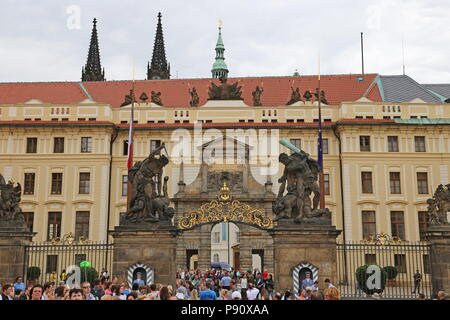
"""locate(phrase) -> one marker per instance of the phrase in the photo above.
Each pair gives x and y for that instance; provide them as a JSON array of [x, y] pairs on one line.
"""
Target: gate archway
[[225, 209]]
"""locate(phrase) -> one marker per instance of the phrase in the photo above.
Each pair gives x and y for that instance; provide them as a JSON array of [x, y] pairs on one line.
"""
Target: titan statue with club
[[300, 179], [147, 203]]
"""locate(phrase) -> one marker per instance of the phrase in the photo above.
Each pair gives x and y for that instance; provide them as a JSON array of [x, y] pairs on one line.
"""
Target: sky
[[48, 40]]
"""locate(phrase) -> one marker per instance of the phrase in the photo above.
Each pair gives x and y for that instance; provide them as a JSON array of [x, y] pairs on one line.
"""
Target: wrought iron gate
[[45, 262], [405, 259]]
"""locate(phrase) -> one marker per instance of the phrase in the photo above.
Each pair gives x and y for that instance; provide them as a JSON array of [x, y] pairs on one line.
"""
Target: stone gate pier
[[312, 246], [151, 244]]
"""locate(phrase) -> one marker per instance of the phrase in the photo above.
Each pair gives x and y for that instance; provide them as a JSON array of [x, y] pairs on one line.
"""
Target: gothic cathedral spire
[[93, 70], [220, 68], [158, 68]]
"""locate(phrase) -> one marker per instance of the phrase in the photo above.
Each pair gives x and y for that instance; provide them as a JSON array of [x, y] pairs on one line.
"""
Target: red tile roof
[[53, 92], [174, 93]]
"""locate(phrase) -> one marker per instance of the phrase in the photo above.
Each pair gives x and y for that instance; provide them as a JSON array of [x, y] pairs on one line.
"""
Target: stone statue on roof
[[321, 95], [224, 91], [295, 96], [128, 99], [257, 96], [194, 97], [307, 95], [156, 98]]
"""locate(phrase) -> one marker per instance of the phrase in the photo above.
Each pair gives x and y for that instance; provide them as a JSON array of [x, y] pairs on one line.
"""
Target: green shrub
[[362, 276], [33, 273], [391, 272], [88, 274]]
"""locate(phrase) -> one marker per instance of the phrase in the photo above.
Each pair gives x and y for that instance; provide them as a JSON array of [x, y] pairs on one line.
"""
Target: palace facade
[[386, 147]]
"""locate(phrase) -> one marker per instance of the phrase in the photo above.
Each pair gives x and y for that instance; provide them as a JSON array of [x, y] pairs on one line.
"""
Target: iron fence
[[45, 262], [407, 259]]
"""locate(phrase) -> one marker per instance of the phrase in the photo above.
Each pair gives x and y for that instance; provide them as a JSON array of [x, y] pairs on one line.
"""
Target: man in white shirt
[[252, 292], [328, 283]]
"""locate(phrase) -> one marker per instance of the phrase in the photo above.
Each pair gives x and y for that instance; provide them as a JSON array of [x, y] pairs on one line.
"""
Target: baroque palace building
[[386, 142]]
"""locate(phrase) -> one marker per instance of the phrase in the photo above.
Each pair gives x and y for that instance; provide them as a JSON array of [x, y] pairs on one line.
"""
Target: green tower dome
[[220, 68]]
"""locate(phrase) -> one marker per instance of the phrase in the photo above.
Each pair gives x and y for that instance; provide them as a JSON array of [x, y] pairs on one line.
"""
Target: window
[[419, 142], [369, 224], [54, 225], [52, 263], [85, 182], [154, 144], [297, 143], [398, 224], [370, 258], [325, 146], [392, 144], [216, 257], [82, 225], [422, 183], [56, 183], [364, 143], [326, 184], [366, 179], [216, 237], [400, 262], [238, 236], [124, 185], [80, 258], [31, 145], [86, 144], [125, 147], [423, 224], [29, 220], [394, 180], [58, 146], [28, 187]]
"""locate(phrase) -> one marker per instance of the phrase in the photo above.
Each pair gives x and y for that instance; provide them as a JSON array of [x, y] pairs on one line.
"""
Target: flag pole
[[320, 145], [130, 147]]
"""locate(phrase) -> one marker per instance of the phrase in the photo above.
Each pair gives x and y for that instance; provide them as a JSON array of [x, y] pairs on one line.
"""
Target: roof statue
[[439, 205], [295, 96], [322, 96], [224, 91], [93, 70], [129, 99], [143, 97], [10, 196], [194, 97], [257, 96], [156, 98], [307, 95]]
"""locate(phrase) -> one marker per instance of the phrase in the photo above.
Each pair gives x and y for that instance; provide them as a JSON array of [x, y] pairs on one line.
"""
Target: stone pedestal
[[439, 239], [14, 236], [297, 245], [150, 244]]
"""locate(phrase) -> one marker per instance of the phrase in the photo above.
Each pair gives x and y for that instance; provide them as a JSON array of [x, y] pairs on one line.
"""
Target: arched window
[[216, 257]]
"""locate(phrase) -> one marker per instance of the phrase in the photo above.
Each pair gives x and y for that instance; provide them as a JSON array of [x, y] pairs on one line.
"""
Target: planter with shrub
[[362, 278], [391, 273]]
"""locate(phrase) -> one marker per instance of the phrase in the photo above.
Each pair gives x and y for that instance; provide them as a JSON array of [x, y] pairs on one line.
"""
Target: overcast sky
[[44, 41]]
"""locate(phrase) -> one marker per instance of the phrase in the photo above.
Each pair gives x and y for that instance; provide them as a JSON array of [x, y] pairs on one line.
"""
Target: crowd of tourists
[[190, 285]]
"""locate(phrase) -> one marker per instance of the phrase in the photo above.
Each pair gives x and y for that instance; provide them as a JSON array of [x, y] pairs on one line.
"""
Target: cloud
[[262, 38]]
